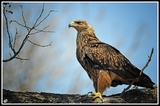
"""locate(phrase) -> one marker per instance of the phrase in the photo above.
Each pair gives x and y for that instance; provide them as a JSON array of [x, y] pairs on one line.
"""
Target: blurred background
[[131, 27]]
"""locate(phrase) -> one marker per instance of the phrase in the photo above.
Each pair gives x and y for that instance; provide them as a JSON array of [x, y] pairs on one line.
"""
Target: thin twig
[[44, 18], [149, 59], [39, 16], [15, 38], [39, 44], [25, 24], [21, 58], [37, 30], [41, 30]]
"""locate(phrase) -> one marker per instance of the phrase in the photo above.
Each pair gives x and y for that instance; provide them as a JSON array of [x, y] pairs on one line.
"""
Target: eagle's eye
[[78, 22]]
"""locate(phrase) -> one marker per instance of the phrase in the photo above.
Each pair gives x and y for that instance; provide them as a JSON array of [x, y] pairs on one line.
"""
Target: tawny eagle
[[104, 64]]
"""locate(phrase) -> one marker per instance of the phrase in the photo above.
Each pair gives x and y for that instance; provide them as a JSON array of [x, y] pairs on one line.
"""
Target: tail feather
[[144, 81]]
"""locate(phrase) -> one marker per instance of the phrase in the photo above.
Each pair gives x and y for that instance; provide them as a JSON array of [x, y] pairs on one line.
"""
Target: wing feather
[[109, 58]]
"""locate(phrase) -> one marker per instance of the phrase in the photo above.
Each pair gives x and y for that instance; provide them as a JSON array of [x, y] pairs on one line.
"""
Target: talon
[[89, 93], [96, 95]]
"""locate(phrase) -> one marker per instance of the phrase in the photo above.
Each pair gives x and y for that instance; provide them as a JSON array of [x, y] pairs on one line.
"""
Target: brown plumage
[[104, 64]]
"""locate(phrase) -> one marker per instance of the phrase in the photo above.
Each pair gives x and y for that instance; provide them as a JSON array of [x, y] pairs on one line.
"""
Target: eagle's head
[[80, 25]]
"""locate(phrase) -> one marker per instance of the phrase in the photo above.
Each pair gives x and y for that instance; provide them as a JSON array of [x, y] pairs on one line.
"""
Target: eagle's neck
[[85, 37]]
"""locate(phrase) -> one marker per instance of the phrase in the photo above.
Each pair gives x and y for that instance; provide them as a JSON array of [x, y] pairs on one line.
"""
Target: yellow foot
[[96, 95]]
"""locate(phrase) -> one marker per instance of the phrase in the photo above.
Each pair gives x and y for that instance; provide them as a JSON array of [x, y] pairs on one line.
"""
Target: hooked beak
[[71, 25]]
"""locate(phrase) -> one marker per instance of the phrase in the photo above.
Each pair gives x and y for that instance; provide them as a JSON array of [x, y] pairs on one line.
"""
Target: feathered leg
[[103, 82]]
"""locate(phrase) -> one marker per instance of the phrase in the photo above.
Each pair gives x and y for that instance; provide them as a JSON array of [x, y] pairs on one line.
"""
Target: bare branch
[[15, 38], [25, 24], [44, 18], [40, 45], [29, 32], [38, 30], [39, 16], [7, 27], [149, 59], [21, 58], [16, 53], [41, 30], [20, 24]]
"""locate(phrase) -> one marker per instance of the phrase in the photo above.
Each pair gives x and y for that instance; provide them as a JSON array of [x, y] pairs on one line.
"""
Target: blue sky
[[131, 27]]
